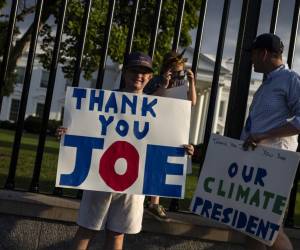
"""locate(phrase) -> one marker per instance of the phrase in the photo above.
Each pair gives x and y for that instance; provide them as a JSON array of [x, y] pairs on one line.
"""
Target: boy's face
[[136, 78]]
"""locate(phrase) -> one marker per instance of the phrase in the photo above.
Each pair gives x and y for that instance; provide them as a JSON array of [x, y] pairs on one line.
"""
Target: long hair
[[172, 59]]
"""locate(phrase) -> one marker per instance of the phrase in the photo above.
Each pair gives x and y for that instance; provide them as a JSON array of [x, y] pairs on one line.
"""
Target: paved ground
[[18, 233], [33, 222]]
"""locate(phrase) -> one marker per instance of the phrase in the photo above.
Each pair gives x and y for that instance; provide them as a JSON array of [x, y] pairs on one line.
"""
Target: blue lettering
[[262, 229], [234, 218], [122, 128], [96, 99], [274, 228], [233, 169], [216, 211], [206, 207], [251, 225], [131, 103], [105, 123], [148, 107], [242, 220], [79, 94], [226, 213], [157, 168], [198, 202], [261, 173], [84, 146], [140, 135], [111, 103], [247, 177]]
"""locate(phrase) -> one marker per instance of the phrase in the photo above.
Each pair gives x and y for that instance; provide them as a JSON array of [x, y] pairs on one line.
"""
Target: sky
[[213, 21]]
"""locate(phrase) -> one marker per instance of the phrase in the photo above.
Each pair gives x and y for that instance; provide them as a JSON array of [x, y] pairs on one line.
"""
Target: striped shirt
[[275, 103]]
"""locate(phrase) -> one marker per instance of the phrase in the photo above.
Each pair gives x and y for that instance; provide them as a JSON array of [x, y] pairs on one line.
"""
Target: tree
[[95, 34]]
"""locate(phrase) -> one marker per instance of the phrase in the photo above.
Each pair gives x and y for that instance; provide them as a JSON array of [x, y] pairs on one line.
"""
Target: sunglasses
[[180, 74]]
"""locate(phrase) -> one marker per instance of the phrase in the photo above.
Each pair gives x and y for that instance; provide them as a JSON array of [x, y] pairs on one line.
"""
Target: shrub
[[8, 125], [52, 126], [33, 124]]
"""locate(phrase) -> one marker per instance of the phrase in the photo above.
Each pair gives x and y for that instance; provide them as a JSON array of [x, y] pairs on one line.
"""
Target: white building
[[112, 76]]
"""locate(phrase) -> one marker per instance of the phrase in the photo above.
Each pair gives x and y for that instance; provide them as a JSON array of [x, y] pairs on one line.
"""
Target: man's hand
[[189, 149], [253, 140]]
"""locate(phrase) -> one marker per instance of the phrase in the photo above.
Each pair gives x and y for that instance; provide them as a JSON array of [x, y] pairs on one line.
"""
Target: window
[[39, 109], [221, 110], [93, 83], [20, 71], [45, 79], [68, 83], [62, 113], [14, 109]]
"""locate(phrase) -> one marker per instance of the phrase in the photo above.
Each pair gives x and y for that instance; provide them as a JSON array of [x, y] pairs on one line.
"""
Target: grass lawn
[[26, 161], [48, 171]]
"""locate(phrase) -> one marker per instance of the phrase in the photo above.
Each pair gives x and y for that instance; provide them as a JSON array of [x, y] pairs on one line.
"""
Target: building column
[[203, 116], [217, 109], [196, 119]]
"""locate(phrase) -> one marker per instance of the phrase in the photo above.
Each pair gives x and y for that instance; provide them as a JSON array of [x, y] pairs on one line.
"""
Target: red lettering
[[119, 149]]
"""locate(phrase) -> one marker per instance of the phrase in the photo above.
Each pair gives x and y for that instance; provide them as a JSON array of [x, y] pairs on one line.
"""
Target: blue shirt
[[275, 103]]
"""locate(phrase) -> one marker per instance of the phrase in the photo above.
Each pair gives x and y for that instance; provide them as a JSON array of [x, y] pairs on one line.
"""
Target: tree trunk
[[23, 43]]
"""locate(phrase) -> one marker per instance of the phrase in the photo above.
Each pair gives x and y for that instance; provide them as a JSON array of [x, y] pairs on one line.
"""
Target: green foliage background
[[95, 34]]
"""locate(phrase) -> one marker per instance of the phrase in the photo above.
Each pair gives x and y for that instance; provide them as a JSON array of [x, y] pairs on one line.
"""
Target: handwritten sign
[[123, 142], [246, 190]]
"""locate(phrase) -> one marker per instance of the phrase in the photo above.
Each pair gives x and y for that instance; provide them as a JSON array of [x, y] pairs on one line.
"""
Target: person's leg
[[113, 240], [252, 244], [174, 205], [154, 200], [156, 209], [82, 238], [282, 242]]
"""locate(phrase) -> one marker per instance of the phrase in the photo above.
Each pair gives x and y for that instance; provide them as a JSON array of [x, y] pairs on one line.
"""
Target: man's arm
[[286, 130]]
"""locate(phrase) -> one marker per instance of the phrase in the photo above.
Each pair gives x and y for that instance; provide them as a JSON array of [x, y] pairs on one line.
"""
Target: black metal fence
[[240, 79]]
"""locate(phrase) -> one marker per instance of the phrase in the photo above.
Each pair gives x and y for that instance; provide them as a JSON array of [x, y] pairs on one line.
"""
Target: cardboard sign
[[245, 190], [124, 142]]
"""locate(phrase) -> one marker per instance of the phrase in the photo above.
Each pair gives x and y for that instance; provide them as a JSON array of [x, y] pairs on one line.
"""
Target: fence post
[[10, 182], [8, 45], [242, 69]]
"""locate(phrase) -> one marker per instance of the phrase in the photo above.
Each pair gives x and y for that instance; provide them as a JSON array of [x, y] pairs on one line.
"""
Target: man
[[116, 213], [274, 115]]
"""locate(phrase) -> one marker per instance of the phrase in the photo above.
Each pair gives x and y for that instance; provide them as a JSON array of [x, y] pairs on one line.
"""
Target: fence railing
[[240, 76]]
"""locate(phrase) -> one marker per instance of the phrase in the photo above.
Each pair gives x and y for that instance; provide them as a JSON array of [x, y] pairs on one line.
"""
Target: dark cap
[[138, 59], [269, 42]]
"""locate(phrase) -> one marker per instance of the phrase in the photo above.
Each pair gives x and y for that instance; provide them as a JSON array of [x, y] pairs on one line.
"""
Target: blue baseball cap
[[138, 59], [267, 41]]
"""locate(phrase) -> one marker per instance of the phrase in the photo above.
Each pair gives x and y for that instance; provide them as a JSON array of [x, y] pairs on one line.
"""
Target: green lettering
[[268, 196], [255, 198], [220, 191], [206, 182], [241, 193], [279, 203], [230, 190]]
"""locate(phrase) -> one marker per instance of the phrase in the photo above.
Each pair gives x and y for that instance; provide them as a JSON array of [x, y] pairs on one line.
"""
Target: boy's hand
[[61, 131]]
